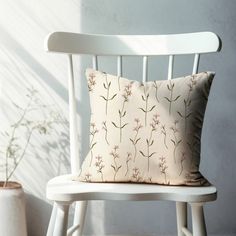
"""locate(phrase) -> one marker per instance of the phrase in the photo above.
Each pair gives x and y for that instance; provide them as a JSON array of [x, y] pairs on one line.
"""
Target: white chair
[[63, 191]]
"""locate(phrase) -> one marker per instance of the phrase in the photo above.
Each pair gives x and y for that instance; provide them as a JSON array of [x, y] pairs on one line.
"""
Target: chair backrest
[[120, 46]]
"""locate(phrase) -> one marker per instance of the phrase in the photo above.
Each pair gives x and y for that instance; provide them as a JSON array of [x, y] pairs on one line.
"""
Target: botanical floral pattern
[[136, 176], [148, 132], [127, 93], [171, 98], [91, 82], [175, 140], [150, 140], [93, 132], [128, 159], [115, 166], [156, 85], [163, 167], [107, 97], [146, 109], [99, 165], [104, 127], [136, 139], [187, 104]]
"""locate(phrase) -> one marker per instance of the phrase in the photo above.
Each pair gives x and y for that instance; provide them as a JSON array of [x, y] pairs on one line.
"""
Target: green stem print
[[107, 86], [99, 165], [191, 146], [93, 132], [128, 159], [91, 82], [187, 103], [163, 167], [150, 140], [127, 93], [115, 167], [171, 99], [136, 175], [87, 177], [156, 85], [104, 127], [136, 139], [183, 158], [163, 131], [175, 141], [146, 108]]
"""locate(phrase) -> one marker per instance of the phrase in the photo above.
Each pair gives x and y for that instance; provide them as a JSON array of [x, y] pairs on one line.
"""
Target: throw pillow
[[146, 132]]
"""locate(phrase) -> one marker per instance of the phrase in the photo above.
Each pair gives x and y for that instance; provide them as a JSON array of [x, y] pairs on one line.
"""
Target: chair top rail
[[131, 45]]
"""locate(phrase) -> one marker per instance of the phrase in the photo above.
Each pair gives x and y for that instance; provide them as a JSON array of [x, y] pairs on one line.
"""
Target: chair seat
[[64, 188]]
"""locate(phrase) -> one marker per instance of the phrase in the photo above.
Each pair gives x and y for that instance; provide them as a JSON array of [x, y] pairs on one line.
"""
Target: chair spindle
[[196, 63], [95, 62], [75, 162], [170, 67], [145, 68], [119, 66]]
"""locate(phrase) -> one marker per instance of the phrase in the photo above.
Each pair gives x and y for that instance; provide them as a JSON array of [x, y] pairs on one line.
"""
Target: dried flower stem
[[150, 141], [128, 159], [115, 167], [181, 163], [99, 166], [163, 131], [146, 110], [156, 86], [93, 132], [104, 126], [107, 86], [170, 87], [135, 140], [163, 167], [122, 112], [175, 141]]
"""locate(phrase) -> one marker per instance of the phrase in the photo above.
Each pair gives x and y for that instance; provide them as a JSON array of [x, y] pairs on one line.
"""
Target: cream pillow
[[146, 132]]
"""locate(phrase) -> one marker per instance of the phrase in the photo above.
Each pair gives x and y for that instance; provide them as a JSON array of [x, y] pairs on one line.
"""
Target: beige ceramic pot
[[12, 210]]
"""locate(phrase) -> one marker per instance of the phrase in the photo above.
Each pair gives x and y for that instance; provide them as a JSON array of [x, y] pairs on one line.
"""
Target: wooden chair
[[63, 191]]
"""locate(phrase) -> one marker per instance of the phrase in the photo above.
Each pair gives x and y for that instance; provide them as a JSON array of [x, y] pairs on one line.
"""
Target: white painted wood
[[181, 214], [72, 229], [119, 66], [95, 62], [62, 219], [62, 188], [170, 67], [52, 220], [196, 63], [186, 232], [79, 216], [198, 220], [172, 44], [74, 151], [145, 69]]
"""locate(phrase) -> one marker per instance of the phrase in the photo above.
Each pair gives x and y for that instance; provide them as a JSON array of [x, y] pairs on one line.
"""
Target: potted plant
[[12, 201]]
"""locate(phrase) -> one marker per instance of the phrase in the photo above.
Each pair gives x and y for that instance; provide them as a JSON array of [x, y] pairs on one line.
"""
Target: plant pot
[[12, 210]]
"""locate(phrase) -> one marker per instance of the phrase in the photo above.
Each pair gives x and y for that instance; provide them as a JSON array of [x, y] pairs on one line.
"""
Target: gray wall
[[23, 63]]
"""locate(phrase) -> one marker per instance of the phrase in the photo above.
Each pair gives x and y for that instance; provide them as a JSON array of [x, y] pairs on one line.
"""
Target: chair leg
[[52, 220], [61, 223], [181, 214], [79, 217], [198, 220]]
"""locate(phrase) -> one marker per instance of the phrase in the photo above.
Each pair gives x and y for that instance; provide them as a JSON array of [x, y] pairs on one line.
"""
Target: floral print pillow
[[146, 132]]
